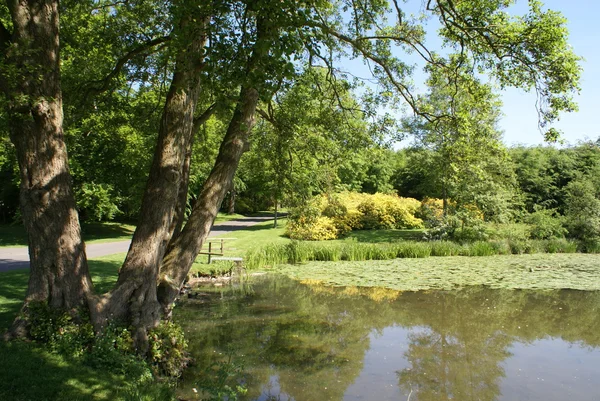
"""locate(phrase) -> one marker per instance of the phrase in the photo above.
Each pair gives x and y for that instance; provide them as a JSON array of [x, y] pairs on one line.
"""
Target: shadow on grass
[[98, 231], [280, 215], [375, 236], [254, 228], [17, 236], [13, 286], [104, 274], [13, 235], [30, 373]]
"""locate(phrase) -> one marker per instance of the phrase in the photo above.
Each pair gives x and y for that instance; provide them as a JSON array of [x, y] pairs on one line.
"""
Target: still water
[[284, 340]]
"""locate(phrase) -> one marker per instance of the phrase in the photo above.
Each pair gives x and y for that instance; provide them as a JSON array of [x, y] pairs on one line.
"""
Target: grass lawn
[[94, 232], [31, 372]]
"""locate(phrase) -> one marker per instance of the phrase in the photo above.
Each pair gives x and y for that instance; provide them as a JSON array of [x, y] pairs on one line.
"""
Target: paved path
[[18, 258]]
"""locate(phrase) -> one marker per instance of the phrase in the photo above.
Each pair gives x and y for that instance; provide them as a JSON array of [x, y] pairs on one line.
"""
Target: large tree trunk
[[232, 196], [58, 265], [182, 195], [134, 297], [185, 248]]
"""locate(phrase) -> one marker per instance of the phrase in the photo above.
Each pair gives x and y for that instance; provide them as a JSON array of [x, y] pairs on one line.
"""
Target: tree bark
[[58, 265], [134, 298], [232, 196], [179, 259], [182, 195]]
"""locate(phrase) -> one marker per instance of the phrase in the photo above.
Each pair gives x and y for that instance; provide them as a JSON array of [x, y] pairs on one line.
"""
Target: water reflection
[[306, 342]]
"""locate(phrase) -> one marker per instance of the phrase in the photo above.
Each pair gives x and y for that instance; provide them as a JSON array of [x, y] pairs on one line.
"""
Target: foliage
[[543, 172], [545, 224], [69, 334], [168, 350], [323, 228], [303, 133], [95, 201], [431, 212], [467, 161], [113, 350], [463, 225], [72, 335], [222, 380], [582, 214], [330, 217]]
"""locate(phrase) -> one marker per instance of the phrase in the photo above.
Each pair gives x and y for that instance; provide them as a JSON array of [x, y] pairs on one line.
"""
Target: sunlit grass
[[93, 232]]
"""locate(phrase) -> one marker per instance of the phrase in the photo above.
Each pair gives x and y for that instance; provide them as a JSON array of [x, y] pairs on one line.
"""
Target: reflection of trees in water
[[456, 358], [313, 339]]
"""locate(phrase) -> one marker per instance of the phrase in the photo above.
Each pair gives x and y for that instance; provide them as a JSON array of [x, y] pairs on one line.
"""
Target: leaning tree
[[214, 49]]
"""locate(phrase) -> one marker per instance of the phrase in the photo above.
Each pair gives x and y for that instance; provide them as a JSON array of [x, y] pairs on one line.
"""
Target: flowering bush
[[333, 216]]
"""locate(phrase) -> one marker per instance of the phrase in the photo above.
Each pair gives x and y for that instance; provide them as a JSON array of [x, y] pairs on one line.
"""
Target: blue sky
[[520, 119]]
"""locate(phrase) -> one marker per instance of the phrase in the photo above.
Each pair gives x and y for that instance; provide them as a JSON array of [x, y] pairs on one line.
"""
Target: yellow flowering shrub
[[431, 211], [323, 228], [328, 217]]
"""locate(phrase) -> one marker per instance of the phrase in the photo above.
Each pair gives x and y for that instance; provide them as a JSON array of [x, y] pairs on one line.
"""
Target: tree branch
[[202, 118], [103, 84]]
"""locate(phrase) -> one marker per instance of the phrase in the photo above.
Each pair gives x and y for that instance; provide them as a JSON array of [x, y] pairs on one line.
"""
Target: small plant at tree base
[[67, 333], [223, 380], [168, 353]]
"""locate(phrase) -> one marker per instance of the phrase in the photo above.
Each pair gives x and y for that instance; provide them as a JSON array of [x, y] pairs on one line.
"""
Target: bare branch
[[202, 118], [103, 84], [109, 5]]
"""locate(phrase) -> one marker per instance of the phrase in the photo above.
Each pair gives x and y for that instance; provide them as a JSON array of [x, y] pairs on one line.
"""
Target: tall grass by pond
[[352, 250]]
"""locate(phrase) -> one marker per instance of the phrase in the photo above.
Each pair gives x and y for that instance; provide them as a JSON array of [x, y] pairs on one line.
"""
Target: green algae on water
[[537, 271]]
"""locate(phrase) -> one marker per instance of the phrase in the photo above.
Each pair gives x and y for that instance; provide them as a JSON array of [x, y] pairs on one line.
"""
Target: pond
[[285, 340]]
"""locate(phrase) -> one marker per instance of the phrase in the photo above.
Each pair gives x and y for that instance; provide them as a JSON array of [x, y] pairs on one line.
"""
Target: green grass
[[262, 234], [223, 217], [93, 232], [31, 372]]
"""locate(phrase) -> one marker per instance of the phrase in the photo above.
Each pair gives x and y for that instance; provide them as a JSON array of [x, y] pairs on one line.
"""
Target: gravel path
[[18, 258]]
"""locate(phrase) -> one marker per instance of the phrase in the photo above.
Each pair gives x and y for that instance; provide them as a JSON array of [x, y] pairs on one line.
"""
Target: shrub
[[518, 247], [431, 212], [68, 334], [500, 247], [592, 246], [168, 349], [413, 250], [545, 224], [96, 202], [510, 232], [560, 246], [325, 218], [582, 215], [320, 229], [445, 248], [375, 216]]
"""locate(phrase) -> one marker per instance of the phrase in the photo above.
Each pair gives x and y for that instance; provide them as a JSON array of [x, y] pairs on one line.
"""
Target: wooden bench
[[216, 247], [237, 260]]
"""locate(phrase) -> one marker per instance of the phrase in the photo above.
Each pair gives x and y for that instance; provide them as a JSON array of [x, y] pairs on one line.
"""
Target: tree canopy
[[141, 76]]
